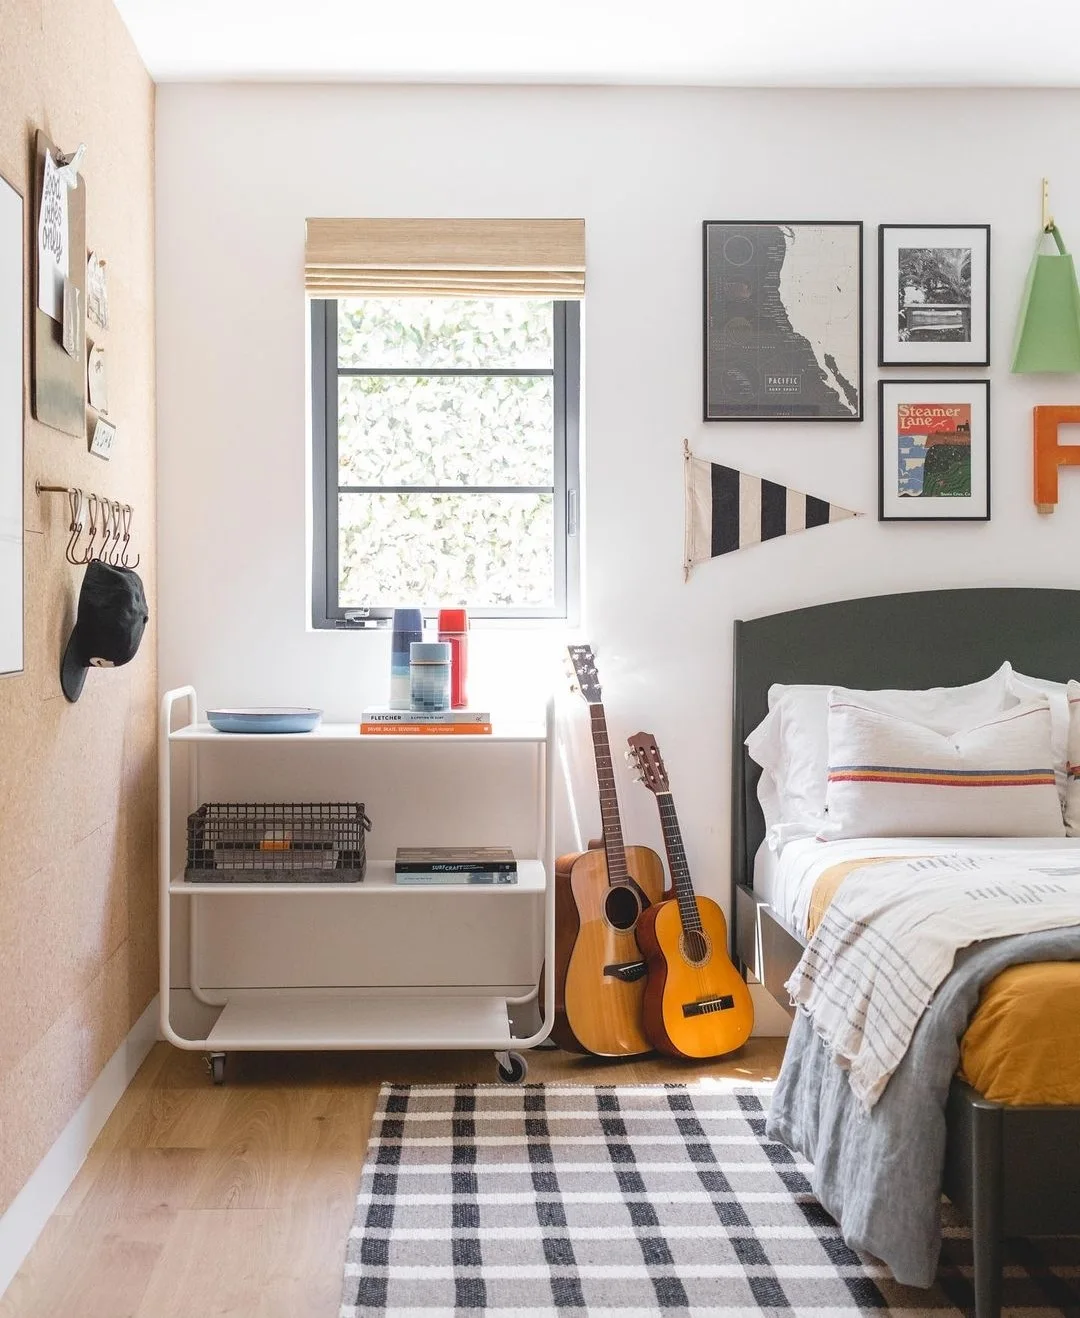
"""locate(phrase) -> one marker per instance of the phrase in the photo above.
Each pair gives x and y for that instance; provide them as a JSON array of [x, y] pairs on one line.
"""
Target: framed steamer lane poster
[[934, 295], [934, 450], [783, 320]]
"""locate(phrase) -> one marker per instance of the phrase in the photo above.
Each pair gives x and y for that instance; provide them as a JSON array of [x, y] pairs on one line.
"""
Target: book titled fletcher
[[434, 866], [425, 723]]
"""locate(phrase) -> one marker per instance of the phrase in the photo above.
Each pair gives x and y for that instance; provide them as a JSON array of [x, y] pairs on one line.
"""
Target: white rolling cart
[[295, 1017]]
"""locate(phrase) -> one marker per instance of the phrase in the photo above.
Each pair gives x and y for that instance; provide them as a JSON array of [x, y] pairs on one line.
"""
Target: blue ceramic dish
[[264, 720]]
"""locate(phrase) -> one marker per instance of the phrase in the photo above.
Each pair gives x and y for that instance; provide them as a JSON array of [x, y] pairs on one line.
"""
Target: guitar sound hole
[[621, 907], [695, 946]]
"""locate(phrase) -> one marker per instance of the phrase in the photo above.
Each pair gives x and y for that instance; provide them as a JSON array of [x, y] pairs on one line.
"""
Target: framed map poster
[[783, 320], [934, 295], [934, 450]]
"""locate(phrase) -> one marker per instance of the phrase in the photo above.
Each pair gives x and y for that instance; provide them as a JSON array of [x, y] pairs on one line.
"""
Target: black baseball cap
[[110, 624]]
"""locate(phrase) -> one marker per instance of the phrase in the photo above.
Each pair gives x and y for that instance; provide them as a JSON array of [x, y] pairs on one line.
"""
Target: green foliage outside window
[[480, 549]]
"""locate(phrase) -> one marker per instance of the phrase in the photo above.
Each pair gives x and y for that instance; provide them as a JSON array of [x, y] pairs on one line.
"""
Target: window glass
[[480, 550], [446, 455], [446, 332]]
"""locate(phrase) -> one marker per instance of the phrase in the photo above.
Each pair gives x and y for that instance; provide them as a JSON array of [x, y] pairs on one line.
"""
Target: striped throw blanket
[[890, 937]]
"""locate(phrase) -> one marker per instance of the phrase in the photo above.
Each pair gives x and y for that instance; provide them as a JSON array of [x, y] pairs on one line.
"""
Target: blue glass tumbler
[[408, 626]]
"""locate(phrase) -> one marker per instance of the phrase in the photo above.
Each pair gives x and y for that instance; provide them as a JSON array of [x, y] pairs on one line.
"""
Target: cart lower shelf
[[273, 1019]]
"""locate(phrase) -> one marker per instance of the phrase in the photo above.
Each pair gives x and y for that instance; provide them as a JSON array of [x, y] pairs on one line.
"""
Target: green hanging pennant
[[1048, 333]]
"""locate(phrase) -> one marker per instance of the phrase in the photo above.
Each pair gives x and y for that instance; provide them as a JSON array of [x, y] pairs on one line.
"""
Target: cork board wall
[[78, 782]]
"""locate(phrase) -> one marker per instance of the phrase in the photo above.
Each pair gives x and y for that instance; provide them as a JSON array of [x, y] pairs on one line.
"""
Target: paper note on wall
[[52, 242], [96, 380], [72, 312], [97, 292], [102, 442]]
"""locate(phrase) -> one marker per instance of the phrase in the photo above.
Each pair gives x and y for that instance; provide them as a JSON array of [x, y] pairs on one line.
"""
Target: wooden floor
[[235, 1202]]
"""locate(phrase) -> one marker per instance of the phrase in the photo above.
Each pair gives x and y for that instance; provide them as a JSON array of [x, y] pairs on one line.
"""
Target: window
[[446, 456]]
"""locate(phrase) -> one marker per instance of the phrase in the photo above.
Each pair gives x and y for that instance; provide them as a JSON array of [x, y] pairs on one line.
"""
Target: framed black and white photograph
[[934, 295], [783, 320], [934, 450]]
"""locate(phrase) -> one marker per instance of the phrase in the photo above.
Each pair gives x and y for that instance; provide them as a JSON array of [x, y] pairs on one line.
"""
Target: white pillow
[[1024, 688], [791, 744], [763, 745], [889, 777], [1072, 794]]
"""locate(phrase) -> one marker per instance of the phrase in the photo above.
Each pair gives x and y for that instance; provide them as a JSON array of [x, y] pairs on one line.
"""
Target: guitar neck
[[680, 870], [609, 801]]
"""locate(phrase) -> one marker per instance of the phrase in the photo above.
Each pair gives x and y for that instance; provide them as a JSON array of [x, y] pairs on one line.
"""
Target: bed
[[1012, 1170]]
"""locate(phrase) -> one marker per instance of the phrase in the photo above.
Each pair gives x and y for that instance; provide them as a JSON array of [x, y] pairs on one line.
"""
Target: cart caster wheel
[[512, 1068], [215, 1064]]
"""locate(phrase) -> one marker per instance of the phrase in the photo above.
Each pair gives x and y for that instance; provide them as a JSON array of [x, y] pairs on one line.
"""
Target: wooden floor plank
[[236, 1201], [92, 1269]]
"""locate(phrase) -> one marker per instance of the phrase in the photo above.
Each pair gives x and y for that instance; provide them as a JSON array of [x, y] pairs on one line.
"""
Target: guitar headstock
[[644, 755], [585, 674]]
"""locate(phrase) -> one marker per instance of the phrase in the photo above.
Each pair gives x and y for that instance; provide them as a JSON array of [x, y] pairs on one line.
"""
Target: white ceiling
[[896, 43]]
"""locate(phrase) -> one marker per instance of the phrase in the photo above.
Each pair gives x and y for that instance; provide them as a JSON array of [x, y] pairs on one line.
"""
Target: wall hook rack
[[108, 532], [1047, 218]]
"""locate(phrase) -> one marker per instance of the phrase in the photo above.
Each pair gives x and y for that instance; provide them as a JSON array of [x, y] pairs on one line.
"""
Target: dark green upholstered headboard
[[927, 638]]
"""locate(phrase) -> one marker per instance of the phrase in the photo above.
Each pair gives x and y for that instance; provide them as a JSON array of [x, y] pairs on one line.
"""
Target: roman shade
[[445, 258]]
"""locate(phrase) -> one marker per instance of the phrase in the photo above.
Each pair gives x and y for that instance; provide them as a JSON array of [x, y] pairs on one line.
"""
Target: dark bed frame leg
[[987, 1210]]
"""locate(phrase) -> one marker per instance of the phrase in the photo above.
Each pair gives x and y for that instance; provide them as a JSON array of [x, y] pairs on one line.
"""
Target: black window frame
[[326, 609]]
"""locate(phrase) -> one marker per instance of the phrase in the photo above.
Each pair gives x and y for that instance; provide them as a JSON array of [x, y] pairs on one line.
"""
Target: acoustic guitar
[[599, 897], [696, 1002]]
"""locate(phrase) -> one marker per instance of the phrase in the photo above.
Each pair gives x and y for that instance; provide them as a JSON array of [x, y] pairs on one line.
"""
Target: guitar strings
[[681, 871]]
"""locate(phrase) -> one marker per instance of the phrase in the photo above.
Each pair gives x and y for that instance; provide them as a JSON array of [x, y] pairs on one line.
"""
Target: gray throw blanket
[[879, 1172]]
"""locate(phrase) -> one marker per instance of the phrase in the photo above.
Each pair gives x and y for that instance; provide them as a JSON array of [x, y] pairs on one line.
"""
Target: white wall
[[239, 169]]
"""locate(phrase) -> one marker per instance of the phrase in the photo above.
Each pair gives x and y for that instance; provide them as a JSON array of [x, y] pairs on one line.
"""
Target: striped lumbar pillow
[[892, 778]]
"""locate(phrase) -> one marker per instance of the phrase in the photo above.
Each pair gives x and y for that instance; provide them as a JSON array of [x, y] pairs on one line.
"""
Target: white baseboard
[[35, 1203]]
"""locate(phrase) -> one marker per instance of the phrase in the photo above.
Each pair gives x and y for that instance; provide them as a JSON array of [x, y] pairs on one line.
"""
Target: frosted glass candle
[[430, 675]]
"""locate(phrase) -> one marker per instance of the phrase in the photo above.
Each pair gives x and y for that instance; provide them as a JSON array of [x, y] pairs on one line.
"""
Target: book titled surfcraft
[[425, 723], [439, 865], [445, 879]]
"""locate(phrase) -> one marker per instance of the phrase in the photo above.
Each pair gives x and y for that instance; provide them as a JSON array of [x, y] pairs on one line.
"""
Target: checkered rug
[[619, 1202]]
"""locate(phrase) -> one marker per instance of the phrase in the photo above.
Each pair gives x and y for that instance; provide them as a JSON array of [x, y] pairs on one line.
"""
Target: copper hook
[[105, 508], [75, 526], [113, 532], [129, 513], [92, 505], [114, 549]]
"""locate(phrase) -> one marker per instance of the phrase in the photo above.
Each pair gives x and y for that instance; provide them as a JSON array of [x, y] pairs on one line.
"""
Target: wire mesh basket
[[311, 843]]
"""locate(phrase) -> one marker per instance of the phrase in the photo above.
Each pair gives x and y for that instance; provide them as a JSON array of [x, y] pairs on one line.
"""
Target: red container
[[454, 628]]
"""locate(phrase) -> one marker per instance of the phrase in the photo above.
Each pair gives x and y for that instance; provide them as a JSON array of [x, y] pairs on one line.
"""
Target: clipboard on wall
[[59, 392]]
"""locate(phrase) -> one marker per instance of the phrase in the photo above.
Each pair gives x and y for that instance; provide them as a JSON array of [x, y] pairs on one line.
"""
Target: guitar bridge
[[705, 1006], [629, 972]]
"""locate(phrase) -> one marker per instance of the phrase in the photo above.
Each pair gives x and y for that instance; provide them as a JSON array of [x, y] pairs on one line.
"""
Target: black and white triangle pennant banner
[[727, 509]]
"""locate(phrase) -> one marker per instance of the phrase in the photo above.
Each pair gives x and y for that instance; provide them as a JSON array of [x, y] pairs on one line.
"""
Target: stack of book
[[434, 866], [415, 722]]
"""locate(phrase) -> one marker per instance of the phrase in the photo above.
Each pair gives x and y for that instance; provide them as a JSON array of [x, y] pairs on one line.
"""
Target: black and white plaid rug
[[620, 1201]]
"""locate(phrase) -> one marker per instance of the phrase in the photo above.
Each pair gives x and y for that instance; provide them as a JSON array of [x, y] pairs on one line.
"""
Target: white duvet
[[792, 874]]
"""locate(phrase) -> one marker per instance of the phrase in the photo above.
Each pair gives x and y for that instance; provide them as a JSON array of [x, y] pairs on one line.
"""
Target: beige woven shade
[[445, 258]]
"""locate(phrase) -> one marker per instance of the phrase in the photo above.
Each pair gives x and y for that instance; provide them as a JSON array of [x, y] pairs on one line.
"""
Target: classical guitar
[[599, 896], [696, 1002]]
